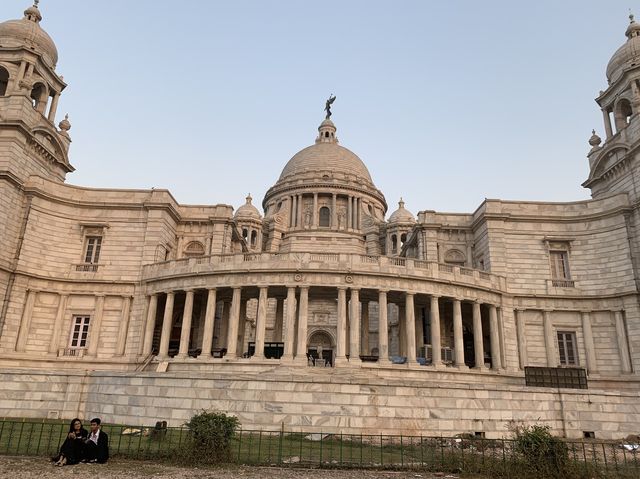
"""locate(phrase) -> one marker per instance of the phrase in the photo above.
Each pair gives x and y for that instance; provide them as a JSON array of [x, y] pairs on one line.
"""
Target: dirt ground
[[37, 467]]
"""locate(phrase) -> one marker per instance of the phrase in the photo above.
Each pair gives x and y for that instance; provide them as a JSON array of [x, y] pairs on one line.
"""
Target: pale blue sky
[[446, 102]]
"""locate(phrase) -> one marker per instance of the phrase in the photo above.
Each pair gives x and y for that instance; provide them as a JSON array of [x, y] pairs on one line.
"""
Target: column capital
[[342, 288], [304, 287], [385, 291], [456, 300], [435, 296], [124, 296], [172, 292], [212, 289], [409, 293], [99, 295]]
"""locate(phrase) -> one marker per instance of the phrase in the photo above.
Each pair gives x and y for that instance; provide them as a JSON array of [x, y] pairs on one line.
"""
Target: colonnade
[[350, 318], [300, 218]]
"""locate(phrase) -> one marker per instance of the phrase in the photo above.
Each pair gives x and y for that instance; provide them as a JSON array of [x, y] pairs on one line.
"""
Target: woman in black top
[[71, 449]]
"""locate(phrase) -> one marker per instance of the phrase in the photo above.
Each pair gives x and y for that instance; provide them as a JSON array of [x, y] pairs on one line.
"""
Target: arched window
[[623, 112], [254, 238], [394, 243], [455, 257], [403, 239], [193, 249], [245, 233], [39, 96], [325, 217], [4, 81]]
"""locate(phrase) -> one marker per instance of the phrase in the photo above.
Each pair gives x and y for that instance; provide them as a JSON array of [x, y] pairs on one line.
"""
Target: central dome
[[326, 157]]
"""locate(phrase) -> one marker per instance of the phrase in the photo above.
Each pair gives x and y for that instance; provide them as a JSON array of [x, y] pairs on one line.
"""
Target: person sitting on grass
[[72, 447], [96, 446]]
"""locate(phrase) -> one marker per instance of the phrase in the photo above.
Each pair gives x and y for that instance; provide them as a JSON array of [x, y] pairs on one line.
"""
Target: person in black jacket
[[96, 446], [72, 447]]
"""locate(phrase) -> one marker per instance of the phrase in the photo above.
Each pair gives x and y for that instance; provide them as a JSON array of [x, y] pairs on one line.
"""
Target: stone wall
[[328, 400]]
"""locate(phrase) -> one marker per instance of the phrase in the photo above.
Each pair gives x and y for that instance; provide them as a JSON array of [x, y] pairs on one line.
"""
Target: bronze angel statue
[[327, 107]]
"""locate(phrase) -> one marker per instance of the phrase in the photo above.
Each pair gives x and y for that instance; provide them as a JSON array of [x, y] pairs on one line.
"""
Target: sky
[[447, 102]]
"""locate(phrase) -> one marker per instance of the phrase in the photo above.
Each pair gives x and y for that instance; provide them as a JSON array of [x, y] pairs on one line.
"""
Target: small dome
[[28, 33], [628, 55], [248, 211], [401, 215]]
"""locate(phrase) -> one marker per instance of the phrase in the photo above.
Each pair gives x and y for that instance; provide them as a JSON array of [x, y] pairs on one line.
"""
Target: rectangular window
[[80, 332], [567, 348], [92, 249], [559, 265]]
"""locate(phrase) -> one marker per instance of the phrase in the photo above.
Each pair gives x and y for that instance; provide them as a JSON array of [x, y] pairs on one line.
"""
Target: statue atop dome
[[327, 106]]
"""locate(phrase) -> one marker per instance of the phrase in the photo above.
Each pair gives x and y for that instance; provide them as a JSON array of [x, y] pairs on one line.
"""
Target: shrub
[[211, 435], [543, 454]]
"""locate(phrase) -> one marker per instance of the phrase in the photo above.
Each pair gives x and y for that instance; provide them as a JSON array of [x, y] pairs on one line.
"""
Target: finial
[[595, 140], [248, 198], [401, 203], [631, 17], [65, 125], [35, 3], [327, 106]]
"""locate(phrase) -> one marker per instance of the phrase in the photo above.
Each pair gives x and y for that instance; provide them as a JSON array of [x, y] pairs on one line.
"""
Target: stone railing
[[298, 261]]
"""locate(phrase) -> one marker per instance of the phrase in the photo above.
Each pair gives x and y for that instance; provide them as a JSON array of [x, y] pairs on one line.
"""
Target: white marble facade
[[416, 324]]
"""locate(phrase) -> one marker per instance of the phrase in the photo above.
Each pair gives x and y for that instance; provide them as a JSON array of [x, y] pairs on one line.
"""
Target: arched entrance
[[320, 348]]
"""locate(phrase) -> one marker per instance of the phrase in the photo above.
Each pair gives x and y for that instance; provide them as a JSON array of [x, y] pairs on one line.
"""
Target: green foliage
[[211, 435], [543, 454]]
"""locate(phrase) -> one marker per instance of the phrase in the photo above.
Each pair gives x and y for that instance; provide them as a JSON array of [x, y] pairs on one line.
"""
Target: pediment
[[608, 159]]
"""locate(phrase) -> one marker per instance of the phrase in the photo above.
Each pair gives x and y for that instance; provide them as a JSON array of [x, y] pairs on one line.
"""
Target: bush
[[211, 435], [544, 455]]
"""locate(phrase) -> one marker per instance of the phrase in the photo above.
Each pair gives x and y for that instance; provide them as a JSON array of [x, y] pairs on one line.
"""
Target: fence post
[[280, 445]]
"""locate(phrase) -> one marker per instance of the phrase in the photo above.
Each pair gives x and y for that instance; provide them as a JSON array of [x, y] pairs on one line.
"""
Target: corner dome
[[401, 215], [628, 55], [248, 211], [27, 33]]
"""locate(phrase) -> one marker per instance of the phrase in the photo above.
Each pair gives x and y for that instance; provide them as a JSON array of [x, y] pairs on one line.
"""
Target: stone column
[[299, 222], [341, 333], [354, 327], [25, 322], [291, 211], [549, 340], [279, 320], [224, 325], [366, 350], [166, 326], [334, 212], [589, 348], [209, 325], [623, 345], [54, 107], [458, 341], [349, 212], [402, 330], [185, 330], [354, 211], [124, 326], [150, 325], [478, 344], [242, 327], [383, 328], [522, 337], [436, 341], [261, 323], [303, 311], [294, 211], [290, 326], [234, 324], [96, 326], [315, 210], [57, 325], [496, 360], [607, 124], [410, 327]]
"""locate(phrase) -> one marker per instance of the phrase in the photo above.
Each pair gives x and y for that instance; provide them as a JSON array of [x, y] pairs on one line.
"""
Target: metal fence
[[494, 458]]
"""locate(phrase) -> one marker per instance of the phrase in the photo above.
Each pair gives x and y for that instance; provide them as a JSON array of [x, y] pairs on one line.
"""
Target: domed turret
[[248, 211], [27, 32], [401, 215]]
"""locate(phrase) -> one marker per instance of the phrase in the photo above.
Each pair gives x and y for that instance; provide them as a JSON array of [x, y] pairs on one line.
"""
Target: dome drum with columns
[[310, 315]]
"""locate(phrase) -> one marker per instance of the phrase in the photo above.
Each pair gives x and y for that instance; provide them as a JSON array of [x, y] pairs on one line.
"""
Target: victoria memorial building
[[321, 307]]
